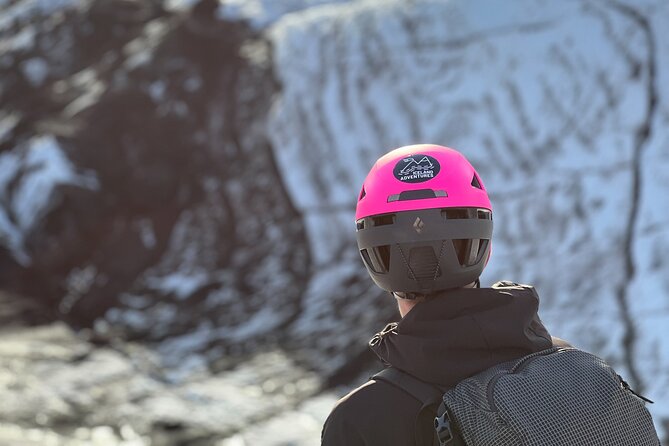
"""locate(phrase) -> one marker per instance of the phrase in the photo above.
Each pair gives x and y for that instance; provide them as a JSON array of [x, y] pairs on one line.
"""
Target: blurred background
[[178, 181]]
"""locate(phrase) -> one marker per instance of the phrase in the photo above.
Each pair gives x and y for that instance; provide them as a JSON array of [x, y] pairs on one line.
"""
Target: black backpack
[[556, 397]]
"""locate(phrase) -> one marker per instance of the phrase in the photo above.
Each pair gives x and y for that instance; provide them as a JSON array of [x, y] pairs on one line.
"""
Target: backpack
[[556, 397]]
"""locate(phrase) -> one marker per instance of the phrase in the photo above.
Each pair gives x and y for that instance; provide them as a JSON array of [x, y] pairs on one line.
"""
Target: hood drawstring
[[390, 328], [377, 344]]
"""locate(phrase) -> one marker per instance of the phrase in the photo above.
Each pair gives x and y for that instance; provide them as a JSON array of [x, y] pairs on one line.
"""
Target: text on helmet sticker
[[416, 168]]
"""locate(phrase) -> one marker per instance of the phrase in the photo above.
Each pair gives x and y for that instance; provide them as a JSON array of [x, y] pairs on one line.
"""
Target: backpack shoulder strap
[[423, 392], [429, 396]]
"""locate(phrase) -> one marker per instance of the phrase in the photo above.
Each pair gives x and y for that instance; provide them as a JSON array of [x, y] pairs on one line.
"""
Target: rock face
[[183, 173], [139, 186]]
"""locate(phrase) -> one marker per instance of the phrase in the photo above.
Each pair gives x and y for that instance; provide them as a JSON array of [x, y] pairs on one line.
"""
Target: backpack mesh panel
[[551, 398]]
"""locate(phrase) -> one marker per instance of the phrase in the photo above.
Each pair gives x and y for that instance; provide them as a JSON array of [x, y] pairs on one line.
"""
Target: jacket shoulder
[[374, 413]]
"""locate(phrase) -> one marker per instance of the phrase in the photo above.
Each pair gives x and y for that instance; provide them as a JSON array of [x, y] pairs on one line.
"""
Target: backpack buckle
[[442, 425]]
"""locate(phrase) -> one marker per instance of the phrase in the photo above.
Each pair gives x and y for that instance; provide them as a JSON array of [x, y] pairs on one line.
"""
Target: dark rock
[[189, 215]]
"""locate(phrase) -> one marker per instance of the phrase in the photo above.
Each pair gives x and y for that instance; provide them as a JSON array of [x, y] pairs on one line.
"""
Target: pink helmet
[[424, 221]]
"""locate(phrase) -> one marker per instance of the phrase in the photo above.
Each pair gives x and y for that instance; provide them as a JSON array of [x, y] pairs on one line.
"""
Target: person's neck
[[406, 305]]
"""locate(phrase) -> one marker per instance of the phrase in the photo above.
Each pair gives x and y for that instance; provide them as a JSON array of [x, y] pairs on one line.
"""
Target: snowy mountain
[[561, 106], [184, 173]]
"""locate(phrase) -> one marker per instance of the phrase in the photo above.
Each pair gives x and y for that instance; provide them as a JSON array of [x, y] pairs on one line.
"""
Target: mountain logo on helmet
[[416, 168]]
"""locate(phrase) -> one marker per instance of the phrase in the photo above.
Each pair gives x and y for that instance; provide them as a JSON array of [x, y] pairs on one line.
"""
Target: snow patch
[[36, 70], [157, 90], [28, 177], [181, 284], [7, 124], [24, 10], [193, 84], [93, 88], [146, 233], [262, 13], [179, 5], [51, 168], [139, 51]]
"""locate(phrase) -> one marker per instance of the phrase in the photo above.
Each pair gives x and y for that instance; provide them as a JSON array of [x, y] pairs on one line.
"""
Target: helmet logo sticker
[[416, 169], [418, 225]]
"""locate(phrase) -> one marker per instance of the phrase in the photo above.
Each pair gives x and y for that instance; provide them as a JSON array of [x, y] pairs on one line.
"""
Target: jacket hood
[[462, 332]]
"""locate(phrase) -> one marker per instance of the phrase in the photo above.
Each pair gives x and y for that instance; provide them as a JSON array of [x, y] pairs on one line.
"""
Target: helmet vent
[[383, 220], [466, 213], [483, 246], [418, 194], [459, 213], [484, 214], [360, 224], [377, 259], [470, 251], [476, 182], [362, 193], [423, 264]]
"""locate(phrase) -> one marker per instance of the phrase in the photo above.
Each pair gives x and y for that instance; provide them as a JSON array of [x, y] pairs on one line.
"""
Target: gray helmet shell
[[427, 250]]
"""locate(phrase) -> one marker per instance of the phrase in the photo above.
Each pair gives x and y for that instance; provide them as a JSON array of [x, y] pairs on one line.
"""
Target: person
[[424, 231]]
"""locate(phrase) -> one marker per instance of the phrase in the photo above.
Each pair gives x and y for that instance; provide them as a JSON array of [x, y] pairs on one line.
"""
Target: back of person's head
[[424, 221]]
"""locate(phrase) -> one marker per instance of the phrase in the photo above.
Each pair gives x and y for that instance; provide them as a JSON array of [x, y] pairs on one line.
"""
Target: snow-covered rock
[[60, 390], [152, 207], [562, 107], [29, 177]]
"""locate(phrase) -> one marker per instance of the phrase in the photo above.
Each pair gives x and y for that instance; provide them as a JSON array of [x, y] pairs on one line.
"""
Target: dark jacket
[[441, 341]]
